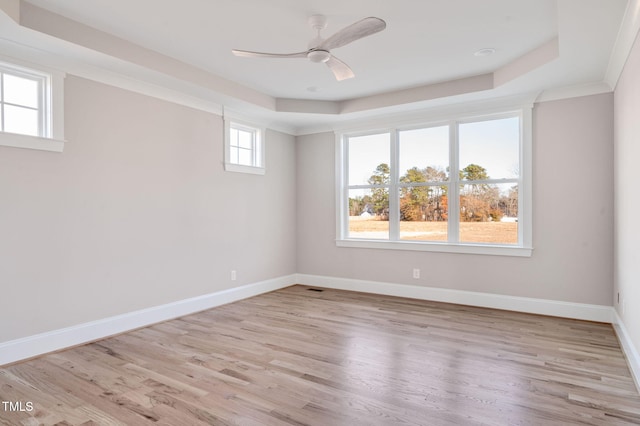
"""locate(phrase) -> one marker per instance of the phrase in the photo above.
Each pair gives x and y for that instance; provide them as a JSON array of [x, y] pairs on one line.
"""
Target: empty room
[[279, 212]]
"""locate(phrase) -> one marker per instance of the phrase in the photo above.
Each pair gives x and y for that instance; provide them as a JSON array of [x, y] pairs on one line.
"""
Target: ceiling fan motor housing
[[318, 55]]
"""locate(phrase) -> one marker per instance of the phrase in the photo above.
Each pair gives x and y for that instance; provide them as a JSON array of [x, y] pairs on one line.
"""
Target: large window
[[244, 147], [461, 185], [27, 116]]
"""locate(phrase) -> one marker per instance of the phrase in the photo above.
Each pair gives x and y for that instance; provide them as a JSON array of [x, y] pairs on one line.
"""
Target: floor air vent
[[315, 289]]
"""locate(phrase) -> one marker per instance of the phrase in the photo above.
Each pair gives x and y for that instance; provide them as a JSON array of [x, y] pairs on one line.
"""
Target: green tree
[[413, 199], [380, 195], [474, 172], [423, 202]]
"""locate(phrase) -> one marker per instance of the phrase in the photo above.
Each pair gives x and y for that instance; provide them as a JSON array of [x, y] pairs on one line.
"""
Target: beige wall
[[573, 217], [627, 202], [135, 213], [138, 212]]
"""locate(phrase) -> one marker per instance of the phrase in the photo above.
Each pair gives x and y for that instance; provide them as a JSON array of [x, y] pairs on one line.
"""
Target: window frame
[[257, 149], [50, 107], [524, 246]]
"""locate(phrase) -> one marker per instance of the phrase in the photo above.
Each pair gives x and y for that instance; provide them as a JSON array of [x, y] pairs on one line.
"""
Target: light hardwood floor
[[303, 357]]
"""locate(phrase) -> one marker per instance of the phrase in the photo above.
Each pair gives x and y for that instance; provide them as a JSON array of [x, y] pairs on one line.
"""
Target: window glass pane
[[369, 159], [424, 154], [424, 213], [369, 213], [21, 120], [233, 137], [490, 149], [244, 157], [245, 139], [20, 91], [233, 155], [488, 213]]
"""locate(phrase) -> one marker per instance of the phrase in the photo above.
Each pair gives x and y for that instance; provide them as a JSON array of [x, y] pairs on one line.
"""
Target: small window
[[27, 104], [244, 148], [21, 99]]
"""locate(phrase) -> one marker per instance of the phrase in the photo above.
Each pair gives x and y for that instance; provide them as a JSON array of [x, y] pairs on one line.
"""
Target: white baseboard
[[633, 358], [31, 346], [598, 313]]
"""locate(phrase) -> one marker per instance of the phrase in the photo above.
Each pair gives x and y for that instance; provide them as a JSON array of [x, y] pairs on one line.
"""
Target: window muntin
[[455, 183], [244, 147]]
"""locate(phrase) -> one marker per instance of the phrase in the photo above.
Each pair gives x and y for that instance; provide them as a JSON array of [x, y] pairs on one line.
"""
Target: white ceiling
[[425, 43]]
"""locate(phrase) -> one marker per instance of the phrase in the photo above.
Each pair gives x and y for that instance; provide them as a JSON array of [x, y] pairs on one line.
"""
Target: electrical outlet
[[233, 275], [416, 273]]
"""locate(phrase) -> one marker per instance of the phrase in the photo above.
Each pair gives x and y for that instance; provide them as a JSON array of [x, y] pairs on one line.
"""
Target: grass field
[[472, 232]]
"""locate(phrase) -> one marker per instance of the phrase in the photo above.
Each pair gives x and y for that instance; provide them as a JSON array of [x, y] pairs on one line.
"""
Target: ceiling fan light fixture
[[318, 55]]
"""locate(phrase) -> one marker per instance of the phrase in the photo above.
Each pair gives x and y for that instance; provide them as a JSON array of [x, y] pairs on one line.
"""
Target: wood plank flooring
[[303, 357]]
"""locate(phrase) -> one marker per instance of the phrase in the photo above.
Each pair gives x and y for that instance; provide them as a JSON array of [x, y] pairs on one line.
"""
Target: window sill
[[244, 169], [485, 249], [31, 142]]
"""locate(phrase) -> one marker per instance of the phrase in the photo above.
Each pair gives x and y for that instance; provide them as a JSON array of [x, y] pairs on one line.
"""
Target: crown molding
[[574, 91], [57, 33], [32, 33], [627, 36]]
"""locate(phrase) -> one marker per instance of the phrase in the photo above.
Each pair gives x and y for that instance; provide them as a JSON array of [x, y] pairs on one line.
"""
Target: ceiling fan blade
[[339, 68], [353, 32], [249, 54]]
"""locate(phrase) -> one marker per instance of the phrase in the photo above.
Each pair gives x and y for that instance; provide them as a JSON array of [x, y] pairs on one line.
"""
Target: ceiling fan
[[320, 49]]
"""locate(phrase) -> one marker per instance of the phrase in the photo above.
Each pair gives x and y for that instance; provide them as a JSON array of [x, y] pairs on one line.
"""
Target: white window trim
[[260, 147], [525, 207], [53, 104]]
